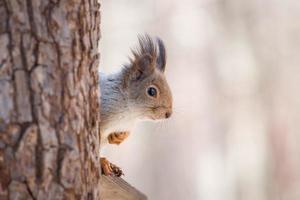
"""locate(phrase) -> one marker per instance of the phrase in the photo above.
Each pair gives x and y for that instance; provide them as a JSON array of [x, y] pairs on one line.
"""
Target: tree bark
[[49, 99]]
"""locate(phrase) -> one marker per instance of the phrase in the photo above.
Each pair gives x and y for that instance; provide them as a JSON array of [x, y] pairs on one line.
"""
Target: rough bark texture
[[49, 109]]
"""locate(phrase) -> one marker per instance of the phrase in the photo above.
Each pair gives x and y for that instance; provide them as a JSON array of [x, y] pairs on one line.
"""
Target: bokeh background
[[234, 69]]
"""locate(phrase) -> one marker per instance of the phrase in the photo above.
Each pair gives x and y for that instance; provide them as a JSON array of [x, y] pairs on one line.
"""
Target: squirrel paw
[[117, 137], [109, 169]]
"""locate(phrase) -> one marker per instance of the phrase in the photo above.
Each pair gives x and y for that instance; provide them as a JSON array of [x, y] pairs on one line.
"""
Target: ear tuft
[[147, 55], [161, 59]]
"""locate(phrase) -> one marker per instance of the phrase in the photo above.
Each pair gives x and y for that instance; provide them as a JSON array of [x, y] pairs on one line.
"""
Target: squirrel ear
[[161, 59], [143, 65]]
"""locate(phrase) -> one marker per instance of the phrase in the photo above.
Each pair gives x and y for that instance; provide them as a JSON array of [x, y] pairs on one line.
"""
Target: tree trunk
[[49, 99]]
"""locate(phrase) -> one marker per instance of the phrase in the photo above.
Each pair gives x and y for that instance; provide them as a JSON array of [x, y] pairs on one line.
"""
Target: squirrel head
[[144, 80]]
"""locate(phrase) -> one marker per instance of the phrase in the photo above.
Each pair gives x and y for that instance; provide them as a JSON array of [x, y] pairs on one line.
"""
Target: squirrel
[[139, 91]]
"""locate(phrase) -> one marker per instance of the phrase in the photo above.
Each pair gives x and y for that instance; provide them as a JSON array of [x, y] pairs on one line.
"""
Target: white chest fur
[[117, 124]]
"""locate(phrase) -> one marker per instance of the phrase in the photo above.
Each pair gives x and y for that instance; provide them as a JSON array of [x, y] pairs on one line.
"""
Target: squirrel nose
[[168, 114]]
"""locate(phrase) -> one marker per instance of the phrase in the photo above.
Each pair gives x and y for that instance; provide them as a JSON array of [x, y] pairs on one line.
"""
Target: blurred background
[[234, 69]]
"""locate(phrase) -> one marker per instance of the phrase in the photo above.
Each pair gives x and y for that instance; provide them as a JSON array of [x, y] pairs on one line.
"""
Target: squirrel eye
[[152, 92]]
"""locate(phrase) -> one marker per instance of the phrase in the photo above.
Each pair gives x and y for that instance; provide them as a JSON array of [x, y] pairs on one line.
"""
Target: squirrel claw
[[110, 169], [116, 170]]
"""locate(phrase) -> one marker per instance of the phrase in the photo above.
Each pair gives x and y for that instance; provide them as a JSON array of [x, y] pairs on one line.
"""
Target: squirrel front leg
[[117, 137]]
